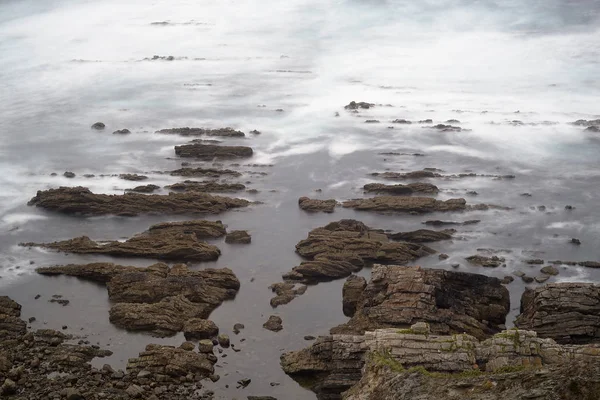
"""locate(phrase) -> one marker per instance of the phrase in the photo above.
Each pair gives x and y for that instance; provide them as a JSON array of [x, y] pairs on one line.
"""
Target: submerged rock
[[450, 301], [565, 312], [483, 261], [81, 201], [133, 177], [242, 237], [122, 132], [178, 241], [315, 205], [211, 151], [208, 186], [405, 204], [418, 187], [224, 132]]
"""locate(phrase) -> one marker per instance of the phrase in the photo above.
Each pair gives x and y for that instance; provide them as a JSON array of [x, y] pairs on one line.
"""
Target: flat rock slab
[[418, 187], [81, 201], [221, 132], [405, 204], [423, 235], [204, 172], [179, 241], [209, 186], [172, 362], [211, 151], [315, 205], [565, 312], [449, 301]]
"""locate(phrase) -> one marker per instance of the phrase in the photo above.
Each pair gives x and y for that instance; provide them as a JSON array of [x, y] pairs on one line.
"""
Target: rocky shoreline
[[412, 332]]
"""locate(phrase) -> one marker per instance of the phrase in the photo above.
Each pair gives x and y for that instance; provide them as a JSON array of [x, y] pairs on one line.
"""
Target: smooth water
[[67, 64]]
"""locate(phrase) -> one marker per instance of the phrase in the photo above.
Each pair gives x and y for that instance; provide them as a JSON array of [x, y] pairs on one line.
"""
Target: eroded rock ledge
[[177, 241], [157, 299], [343, 247], [333, 364], [81, 201], [405, 204], [211, 151], [222, 132]]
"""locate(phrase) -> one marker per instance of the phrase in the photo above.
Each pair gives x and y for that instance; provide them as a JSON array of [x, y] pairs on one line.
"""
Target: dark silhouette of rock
[[98, 126], [204, 172], [423, 235], [144, 189], [133, 177], [122, 132], [69, 174], [418, 187], [81, 201], [483, 261], [353, 105], [223, 132], [211, 151], [315, 205], [406, 175], [208, 186], [405, 204]]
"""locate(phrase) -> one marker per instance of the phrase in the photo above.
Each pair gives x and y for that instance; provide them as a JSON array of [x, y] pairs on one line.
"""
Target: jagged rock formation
[[418, 187], [222, 132], [177, 241], [211, 151], [450, 301], [405, 204], [314, 205], [565, 312], [335, 363], [81, 201], [157, 299], [341, 248]]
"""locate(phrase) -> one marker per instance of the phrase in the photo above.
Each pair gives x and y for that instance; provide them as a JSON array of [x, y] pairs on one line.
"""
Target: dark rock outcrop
[[122, 132], [483, 261], [11, 323], [133, 177], [423, 235], [406, 175], [178, 241], [169, 362], [565, 312], [405, 204], [204, 172], [98, 126], [286, 292], [274, 324], [353, 105], [450, 301], [242, 237], [81, 201], [585, 122], [211, 151], [198, 328], [315, 205], [352, 293], [418, 187], [208, 186], [144, 189], [222, 132]]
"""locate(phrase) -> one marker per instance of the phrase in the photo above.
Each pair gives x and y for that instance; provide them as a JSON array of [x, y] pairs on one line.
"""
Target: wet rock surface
[[133, 177], [144, 189], [204, 172], [405, 204], [81, 201], [423, 235], [483, 261], [222, 132], [346, 246], [177, 241], [449, 301], [274, 323], [418, 187], [315, 205], [240, 237], [565, 312], [211, 151], [159, 299], [209, 186]]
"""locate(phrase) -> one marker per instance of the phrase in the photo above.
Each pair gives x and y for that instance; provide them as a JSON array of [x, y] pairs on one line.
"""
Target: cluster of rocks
[[81, 201], [341, 248], [413, 328], [159, 299], [176, 241], [42, 365]]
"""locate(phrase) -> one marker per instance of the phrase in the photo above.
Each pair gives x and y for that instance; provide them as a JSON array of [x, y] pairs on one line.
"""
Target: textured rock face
[[10, 321], [211, 151], [335, 363], [241, 237], [178, 241], [223, 132], [209, 186], [423, 235], [204, 172], [565, 312], [351, 293], [170, 362], [81, 201], [314, 205], [158, 299], [405, 204], [450, 301], [144, 189], [418, 187]]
